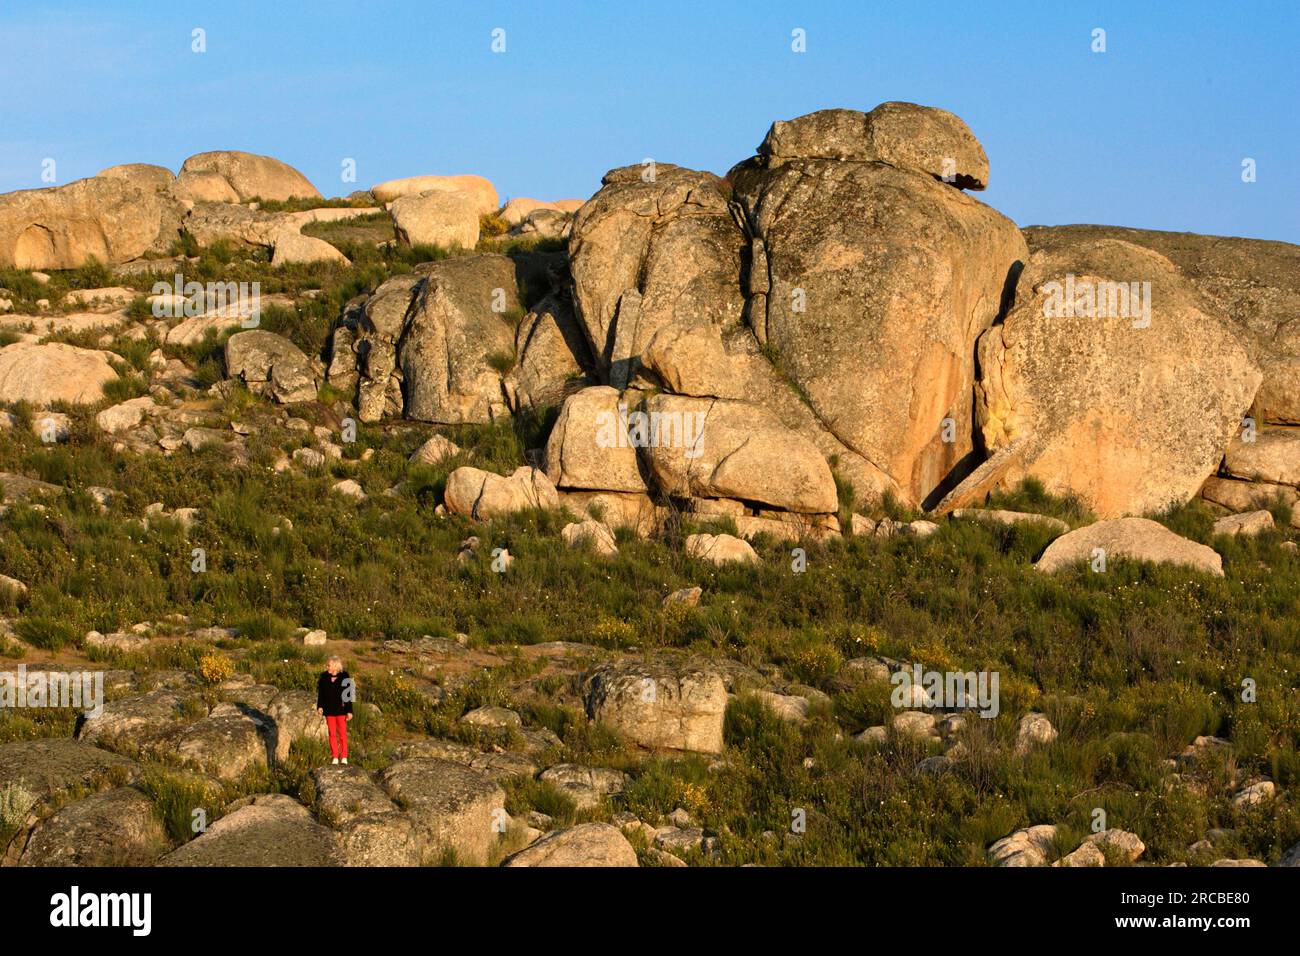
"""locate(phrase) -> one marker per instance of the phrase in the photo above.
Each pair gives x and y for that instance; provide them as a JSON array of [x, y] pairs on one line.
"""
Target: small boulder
[[1128, 846], [350, 488], [687, 597], [482, 494], [1088, 854], [493, 718], [126, 415], [659, 705], [226, 743], [786, 706], [720, 549], [593, 535], [1254, 795], [270, 364], [1028, 847], [917, 724], [1034, 730], [434, 451], [481, 193], [293, 248], [585, 786], [1137, 539]]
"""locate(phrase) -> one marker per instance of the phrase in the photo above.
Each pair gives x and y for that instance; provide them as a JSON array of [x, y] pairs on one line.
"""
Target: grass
[[352, 233], [1130, 665]]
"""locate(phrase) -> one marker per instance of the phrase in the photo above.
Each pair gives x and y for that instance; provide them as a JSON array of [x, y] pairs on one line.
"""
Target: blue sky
[[1151, 133]]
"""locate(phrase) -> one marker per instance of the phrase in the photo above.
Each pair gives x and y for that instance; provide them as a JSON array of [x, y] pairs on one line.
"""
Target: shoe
[[336, 759], [345, 759]]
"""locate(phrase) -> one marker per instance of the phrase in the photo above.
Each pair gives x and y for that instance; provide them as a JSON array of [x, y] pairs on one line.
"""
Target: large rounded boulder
[[245, 176], [1112, 379], [871, 280]]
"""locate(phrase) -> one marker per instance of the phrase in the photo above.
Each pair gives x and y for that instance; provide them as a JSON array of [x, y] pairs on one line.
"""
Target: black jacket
[[329, 694]]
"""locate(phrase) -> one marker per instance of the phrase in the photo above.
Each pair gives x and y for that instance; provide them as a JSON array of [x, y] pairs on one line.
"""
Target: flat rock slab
[[585, 786], [1249, 524], [54, 372], [112, 828], [495, 766], [344, 793], [140, 720], [47, 766], [1137, 539], [589, 844], [1028, 847], [270, 830], [22, 488], [1236, 495], [720, 549]]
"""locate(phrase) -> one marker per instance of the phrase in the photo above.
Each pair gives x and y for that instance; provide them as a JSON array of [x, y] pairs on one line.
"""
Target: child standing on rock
[[334, 694]]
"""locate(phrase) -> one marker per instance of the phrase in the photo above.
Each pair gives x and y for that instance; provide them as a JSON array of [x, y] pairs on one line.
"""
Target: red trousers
[[338, 727]]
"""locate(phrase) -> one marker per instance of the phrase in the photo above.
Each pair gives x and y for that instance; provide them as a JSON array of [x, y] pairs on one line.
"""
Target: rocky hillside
[[638, 520]]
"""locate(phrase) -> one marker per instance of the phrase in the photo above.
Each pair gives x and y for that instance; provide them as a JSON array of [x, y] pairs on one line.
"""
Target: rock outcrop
[[824, 246], [1271, 456], [432, 345], [117, 216], [870, 281], [115, 827], [454, 808]]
